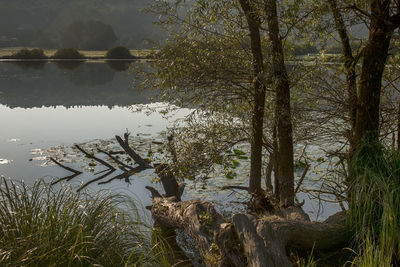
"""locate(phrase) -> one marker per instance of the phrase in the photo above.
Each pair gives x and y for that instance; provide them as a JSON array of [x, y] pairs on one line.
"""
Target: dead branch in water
[[125, 145], [65, 167], [128, 171], [92, 156], [96, 179], [68, 178], [121, 165]]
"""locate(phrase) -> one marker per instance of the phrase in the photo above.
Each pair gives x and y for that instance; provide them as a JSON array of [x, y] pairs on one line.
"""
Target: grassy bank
[[44, 226], [100, 54]]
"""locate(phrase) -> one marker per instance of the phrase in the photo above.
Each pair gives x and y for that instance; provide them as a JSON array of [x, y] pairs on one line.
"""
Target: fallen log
[[245, 240]]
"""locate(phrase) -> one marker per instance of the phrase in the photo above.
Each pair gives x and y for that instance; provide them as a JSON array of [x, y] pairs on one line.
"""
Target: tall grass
[[44, 226], [374, 213]]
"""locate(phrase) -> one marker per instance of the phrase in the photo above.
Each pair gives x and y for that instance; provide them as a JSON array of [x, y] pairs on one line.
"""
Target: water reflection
[[69, 84], [26, 65], [92, 74], [68, 65], [119, 65]]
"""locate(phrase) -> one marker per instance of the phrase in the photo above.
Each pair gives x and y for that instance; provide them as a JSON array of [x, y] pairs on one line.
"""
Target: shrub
[[35, 53], [44, 226], [68, 53], [118, 52]]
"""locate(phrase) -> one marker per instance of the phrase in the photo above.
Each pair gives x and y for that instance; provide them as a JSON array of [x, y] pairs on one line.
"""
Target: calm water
[[43, 106], [48, 105]]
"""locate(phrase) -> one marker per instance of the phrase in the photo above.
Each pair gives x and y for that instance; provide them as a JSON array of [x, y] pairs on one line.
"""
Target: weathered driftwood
[[214, 236], [245, 240], [170, 185], [136, 157]]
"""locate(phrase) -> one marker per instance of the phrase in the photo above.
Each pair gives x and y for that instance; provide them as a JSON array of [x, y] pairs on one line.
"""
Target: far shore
[[90, 55]]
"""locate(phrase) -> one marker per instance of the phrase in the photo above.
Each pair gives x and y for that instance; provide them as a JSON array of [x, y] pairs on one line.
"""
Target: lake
[[49, 107]]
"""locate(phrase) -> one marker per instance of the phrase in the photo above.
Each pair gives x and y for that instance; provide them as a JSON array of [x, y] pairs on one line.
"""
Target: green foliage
[[68, 53], [375, 205], [118, 52], [35, 53], [44, 226], [230, 175]]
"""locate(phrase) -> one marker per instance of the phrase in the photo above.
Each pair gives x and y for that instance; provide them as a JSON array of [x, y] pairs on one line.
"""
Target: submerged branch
[[91, 156]]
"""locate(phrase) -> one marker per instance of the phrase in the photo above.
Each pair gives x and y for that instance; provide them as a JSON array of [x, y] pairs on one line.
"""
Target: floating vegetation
[[5, 161]]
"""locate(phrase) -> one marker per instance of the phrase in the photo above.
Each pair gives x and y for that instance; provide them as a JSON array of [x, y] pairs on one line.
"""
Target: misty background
[[83, 24]]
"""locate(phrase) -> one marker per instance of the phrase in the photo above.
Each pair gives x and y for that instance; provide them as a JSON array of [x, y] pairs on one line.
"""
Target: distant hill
[[41, 22]]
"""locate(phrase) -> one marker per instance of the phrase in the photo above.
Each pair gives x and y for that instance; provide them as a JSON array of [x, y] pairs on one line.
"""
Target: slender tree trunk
[[398, 128], [259, 96], [283, 116], [268, 173], [374, 59], [276, 163], [349, 65]]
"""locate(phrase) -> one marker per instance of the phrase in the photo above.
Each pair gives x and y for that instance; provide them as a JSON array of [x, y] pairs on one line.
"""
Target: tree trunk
[[283, 109], [374, 59], [259, 96], [350, 68], [276, 163], [268, 173], [398, 128]]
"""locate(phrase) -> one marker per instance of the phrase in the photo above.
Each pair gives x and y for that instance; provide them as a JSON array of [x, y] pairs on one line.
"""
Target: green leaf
[[239, 152], [235, 162], [231, 175]]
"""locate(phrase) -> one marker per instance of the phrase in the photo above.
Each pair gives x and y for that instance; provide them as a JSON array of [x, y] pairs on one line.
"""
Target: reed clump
[[374, 210], [44, 226]]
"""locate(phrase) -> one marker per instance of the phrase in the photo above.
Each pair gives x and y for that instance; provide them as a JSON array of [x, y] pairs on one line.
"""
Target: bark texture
[[253, 22], [246, 240], [374, 58], [283, 108]]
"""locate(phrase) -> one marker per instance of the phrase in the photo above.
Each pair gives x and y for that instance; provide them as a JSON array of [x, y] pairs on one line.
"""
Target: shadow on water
[[27, 65], [68, 65], [92, 74], [119, 66], [69, 85]]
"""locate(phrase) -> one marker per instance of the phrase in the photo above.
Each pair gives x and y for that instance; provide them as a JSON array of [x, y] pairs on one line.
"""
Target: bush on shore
[[68, 53], [24, 53], [44, 226], [119, 52]]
